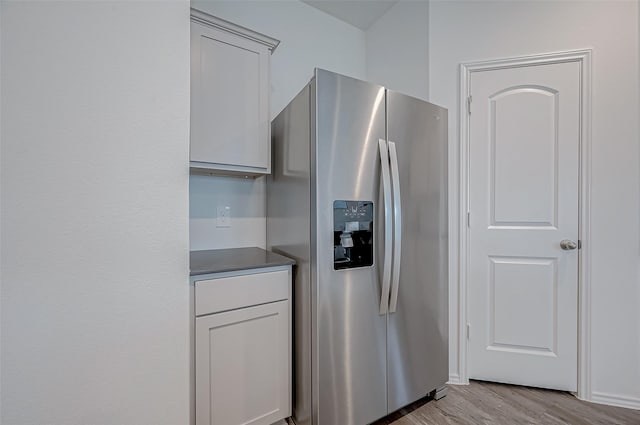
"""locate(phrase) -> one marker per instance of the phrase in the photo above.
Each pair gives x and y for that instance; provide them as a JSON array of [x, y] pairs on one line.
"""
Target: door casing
[[583, 57]]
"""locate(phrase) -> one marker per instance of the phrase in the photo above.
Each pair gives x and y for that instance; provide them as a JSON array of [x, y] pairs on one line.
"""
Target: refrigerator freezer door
[[350, 353], [418, 329]]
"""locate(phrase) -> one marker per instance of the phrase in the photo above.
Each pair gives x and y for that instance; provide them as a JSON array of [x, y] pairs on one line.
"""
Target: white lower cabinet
[[243, 355]]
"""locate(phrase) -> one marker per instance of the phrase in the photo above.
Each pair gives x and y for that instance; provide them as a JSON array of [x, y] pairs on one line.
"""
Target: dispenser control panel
[[352, 234]]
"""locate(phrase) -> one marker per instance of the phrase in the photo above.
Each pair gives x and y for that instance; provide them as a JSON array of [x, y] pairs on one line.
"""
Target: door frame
[[583, 57]]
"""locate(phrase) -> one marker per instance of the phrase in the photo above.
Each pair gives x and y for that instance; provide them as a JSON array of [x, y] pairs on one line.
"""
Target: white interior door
[[523, 202]]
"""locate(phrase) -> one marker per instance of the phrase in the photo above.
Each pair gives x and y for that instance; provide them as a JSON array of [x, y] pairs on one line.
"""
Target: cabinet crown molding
[[215, 22]]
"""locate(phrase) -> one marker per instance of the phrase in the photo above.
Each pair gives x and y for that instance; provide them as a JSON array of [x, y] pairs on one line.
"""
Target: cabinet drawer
[[228, 293]]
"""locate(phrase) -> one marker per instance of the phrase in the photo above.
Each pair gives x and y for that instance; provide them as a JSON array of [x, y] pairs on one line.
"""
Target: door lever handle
[[568, 245]]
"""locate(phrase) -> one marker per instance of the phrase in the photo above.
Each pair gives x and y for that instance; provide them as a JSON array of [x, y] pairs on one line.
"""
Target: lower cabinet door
[[243, 366]]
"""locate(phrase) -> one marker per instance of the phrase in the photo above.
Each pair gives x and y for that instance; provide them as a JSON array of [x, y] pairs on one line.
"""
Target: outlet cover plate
[[223, 217]]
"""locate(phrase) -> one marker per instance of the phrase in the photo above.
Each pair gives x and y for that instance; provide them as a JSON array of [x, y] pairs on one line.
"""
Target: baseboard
[[615, 400]]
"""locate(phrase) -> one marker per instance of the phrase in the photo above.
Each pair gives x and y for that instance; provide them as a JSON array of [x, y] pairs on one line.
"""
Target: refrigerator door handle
[[397, 227], [388, 229]]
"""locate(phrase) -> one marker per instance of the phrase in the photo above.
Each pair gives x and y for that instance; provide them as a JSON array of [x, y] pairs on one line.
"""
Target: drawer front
[[228, 293]]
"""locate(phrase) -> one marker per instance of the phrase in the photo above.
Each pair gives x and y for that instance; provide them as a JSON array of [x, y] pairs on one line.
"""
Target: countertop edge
[[204, 262]]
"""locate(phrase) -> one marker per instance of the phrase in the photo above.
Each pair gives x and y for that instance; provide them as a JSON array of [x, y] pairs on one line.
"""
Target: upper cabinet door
[[230, 129]]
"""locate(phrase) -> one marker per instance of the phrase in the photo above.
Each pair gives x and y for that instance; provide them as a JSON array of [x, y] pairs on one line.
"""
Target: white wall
[[308, 38], [398, 49], [94, 175], [478, 30]]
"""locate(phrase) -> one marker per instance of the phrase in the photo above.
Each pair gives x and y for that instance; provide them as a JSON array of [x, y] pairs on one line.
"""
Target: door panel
[[523, 198], [229, 99], [242, 366], [523, 157], [418, 329], [351, 334], [521, 293]]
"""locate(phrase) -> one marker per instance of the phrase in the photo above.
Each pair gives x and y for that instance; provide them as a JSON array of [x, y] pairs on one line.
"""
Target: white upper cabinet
[[230, 131]]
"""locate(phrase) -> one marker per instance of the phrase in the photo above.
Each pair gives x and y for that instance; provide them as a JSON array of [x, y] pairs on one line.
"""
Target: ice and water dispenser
[[352, 234]]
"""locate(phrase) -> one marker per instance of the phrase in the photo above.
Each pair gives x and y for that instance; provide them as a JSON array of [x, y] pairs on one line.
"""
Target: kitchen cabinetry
[[243, 346], [230, 85]]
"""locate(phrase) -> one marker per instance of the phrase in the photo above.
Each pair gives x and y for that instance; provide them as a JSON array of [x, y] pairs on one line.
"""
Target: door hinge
[[469, 219], [468, 331], [469, 100]]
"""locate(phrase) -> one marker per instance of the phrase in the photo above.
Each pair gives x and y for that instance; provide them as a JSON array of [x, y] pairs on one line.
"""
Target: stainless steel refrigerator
[[358, 196]]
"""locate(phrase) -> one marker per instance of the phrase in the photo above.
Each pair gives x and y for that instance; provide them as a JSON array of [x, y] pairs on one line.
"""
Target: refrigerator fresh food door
[[417, 352], [350, 354]]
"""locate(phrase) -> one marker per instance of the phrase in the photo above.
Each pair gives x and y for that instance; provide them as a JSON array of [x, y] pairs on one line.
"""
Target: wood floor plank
[[487, 403]]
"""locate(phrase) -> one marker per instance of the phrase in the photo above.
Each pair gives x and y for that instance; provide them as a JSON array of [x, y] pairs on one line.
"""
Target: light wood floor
[[488, 403]]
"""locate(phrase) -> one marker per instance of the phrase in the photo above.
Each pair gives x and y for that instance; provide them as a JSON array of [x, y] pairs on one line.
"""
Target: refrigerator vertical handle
[[388, 229], [397, 227]]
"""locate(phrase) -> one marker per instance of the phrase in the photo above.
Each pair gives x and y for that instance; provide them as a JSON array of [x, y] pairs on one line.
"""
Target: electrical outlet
[[223, 217]]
